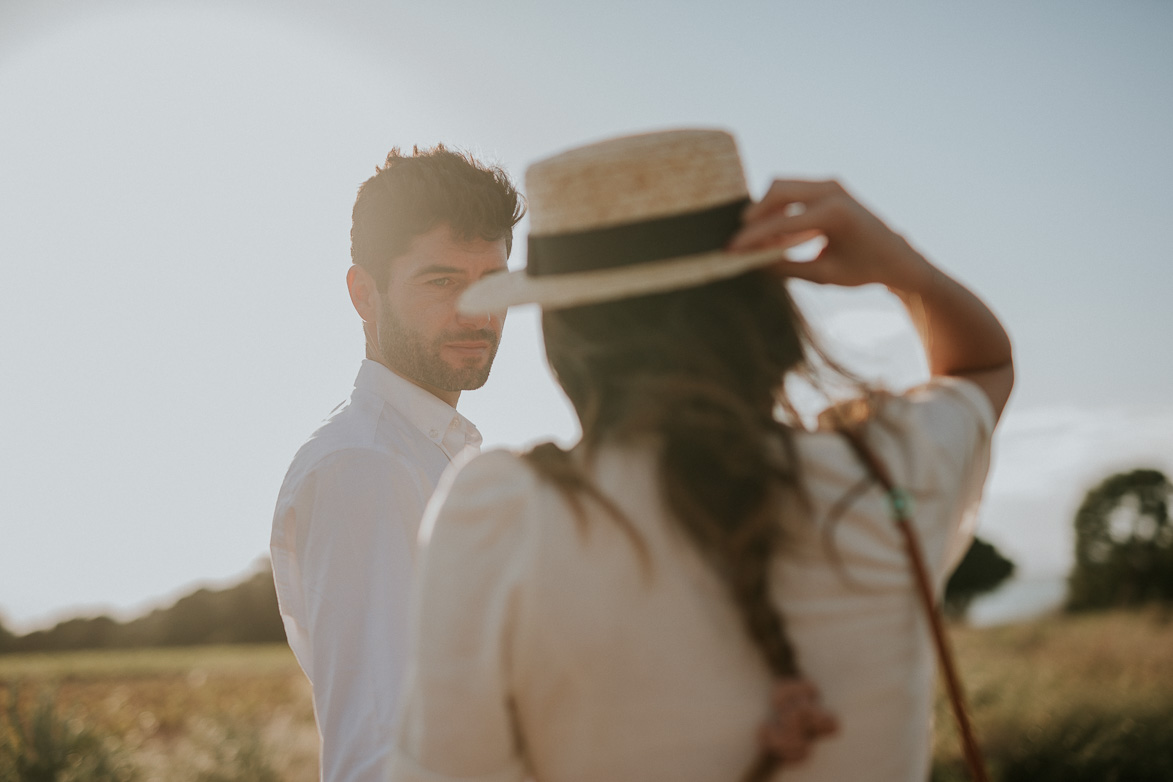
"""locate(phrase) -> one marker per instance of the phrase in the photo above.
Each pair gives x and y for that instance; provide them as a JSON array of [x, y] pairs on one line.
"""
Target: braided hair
[[701, 370]]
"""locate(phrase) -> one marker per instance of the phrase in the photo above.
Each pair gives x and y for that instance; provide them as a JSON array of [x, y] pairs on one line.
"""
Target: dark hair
[[411, 194], [701, 370]]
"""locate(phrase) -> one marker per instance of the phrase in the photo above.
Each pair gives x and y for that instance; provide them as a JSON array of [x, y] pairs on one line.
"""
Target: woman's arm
[[961, 336]]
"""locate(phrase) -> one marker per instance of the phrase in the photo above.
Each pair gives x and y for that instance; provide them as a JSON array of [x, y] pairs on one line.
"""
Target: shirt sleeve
[[357, 516], [457, 721], [936, 440]]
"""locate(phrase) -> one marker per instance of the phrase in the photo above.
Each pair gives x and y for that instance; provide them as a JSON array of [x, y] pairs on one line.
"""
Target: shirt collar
[[436, 420]]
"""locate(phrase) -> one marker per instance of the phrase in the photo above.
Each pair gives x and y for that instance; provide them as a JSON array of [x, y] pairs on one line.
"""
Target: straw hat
[[627, 217]]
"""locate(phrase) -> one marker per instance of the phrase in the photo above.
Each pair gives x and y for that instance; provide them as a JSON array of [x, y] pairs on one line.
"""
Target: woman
[[627, 609]]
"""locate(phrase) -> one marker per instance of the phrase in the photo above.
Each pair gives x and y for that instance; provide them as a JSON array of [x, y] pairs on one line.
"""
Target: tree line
[[245, 613], [248, 613], [1123, 557]]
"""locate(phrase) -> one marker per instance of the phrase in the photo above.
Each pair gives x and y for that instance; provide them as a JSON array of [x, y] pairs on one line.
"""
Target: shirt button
[[433, 433]]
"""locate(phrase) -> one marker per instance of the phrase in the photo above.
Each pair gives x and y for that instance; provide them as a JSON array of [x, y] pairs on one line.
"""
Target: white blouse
[[544, 648]]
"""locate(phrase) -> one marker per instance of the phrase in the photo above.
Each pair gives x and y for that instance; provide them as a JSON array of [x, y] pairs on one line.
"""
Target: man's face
[[421, 336]]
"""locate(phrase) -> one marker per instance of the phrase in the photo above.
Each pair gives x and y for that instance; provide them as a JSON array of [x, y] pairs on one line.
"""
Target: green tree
[[6, 638], [1123, 543], [982, 570]]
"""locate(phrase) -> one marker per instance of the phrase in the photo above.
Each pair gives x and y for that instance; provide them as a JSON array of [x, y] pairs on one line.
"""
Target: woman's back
[[619, 667], [559, 640]]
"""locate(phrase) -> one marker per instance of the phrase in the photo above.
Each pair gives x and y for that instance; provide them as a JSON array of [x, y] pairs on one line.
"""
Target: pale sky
[[176, 180]]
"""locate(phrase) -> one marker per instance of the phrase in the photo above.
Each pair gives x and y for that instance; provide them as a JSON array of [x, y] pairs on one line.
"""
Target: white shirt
[[343, 546], [545, 649]]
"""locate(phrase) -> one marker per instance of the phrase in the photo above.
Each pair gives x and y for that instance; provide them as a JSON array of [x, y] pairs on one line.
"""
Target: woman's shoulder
[[948, 398], [475, 482], [933, 436], [480, 515], [941, 410], [473, 470]]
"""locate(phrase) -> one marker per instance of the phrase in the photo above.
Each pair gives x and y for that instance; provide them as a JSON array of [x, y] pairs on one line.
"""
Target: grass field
[[1092, 692], [205, 714], [1084, 694]]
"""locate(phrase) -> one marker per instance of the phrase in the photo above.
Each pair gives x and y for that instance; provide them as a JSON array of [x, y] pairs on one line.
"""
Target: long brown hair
[[701, 370]]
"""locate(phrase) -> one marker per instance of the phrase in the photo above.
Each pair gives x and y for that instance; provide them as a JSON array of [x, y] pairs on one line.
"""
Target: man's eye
[[441, 282]]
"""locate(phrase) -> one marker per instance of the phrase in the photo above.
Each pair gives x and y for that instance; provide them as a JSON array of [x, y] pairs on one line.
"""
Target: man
[[425, 226]]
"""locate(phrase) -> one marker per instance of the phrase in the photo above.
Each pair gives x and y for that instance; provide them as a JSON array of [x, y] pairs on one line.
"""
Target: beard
[[408, 353]]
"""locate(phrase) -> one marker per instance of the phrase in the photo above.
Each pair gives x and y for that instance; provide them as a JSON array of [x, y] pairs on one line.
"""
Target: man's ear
[[364, 293]]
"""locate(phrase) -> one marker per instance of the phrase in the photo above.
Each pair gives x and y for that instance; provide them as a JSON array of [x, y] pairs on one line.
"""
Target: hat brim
[[558, 291]]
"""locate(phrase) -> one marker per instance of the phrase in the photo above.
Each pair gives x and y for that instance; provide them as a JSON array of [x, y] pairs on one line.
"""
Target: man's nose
[[477, 321]]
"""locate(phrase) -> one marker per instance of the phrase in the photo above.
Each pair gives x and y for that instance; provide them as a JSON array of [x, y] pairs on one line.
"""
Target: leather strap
[[901, 507]]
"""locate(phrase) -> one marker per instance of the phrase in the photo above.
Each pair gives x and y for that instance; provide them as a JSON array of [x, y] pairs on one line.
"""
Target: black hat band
[[691, 233]]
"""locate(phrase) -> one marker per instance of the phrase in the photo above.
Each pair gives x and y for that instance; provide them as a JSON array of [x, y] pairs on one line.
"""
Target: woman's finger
[[790, 692], [776, 227], [818, 271], [824, 723], [783, 192], [818, 722]]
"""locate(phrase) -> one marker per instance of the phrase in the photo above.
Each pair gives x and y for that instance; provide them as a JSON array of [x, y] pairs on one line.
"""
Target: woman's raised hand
[[961, 336], [859, 249]]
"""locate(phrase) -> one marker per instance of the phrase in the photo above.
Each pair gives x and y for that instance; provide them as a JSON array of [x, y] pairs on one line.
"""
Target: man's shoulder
[[358, 430]]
